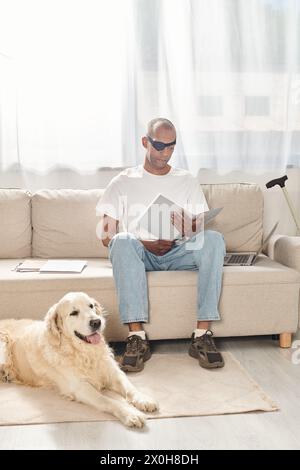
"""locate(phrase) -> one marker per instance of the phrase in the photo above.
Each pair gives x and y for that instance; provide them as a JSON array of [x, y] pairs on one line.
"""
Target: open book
[[155, 222], [51, 266], [63, 266]]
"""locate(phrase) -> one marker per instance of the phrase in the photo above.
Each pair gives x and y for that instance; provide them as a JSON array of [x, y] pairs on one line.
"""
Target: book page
[[155, 222], [63, 266]]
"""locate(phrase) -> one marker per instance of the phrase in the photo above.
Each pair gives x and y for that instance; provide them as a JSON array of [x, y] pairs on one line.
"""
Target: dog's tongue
[[93, 339]]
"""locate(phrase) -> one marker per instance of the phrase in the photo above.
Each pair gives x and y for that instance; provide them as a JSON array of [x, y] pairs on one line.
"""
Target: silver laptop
[[246, 258]]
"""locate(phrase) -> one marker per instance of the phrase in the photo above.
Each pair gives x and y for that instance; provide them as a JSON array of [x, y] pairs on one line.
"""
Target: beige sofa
[[258, 300]]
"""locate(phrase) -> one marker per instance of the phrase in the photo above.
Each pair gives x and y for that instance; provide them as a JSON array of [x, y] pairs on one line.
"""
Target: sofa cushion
[[259, 299], [15, 216], [64, 224], [99, 275], [241, 220]]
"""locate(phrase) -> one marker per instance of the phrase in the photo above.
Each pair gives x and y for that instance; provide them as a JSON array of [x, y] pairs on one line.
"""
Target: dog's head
[[78, 317]]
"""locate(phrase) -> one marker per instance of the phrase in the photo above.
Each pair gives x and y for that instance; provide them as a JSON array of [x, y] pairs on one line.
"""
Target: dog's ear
[[99, 309], [52, 326]]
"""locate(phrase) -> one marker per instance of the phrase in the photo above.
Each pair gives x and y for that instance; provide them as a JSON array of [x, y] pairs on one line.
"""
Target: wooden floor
[[269, 365]]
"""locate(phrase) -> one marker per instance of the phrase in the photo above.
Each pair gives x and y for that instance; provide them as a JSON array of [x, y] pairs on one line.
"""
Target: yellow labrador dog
[[68, 351]]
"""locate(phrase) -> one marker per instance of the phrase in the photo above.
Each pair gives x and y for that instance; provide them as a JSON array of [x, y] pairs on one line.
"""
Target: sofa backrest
[[64, 221], [241, 220], [64, 224], [15, 217]]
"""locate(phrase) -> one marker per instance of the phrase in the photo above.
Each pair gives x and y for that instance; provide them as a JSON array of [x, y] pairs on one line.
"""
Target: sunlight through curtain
[[79, 80]]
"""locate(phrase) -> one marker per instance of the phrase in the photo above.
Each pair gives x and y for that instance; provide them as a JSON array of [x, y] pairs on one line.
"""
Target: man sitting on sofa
[[204, 251]]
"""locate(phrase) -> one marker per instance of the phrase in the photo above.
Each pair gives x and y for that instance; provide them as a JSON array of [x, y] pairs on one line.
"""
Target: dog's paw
[[133, 419], [144, 403]]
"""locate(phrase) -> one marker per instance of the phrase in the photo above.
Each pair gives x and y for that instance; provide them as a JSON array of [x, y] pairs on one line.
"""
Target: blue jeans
[[130, 260]]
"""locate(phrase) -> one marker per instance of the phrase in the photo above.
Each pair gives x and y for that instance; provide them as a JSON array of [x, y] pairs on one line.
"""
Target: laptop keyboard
[[238, 259]]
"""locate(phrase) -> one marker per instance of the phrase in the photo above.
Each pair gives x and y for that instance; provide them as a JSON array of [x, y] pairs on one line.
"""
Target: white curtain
[[80, 79]]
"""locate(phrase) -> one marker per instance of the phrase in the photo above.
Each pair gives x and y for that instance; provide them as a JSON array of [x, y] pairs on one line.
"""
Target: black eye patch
[[91, 306], [159, 146]]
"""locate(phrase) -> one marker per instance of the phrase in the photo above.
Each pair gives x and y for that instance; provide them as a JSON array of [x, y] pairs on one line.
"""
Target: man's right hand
[[158, 247]]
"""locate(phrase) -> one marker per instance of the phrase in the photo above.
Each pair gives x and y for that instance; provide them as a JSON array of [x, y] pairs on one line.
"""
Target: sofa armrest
[[284, 249]]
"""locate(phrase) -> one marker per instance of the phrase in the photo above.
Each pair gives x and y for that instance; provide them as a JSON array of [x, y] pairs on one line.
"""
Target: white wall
[[62, 178], [276, 207]]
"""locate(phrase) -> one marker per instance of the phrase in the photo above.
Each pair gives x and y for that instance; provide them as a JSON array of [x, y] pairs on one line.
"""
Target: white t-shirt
[[130, 192]]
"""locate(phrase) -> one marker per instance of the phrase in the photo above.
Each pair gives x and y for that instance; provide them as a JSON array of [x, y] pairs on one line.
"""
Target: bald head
[[158, 123], [160, 131]]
